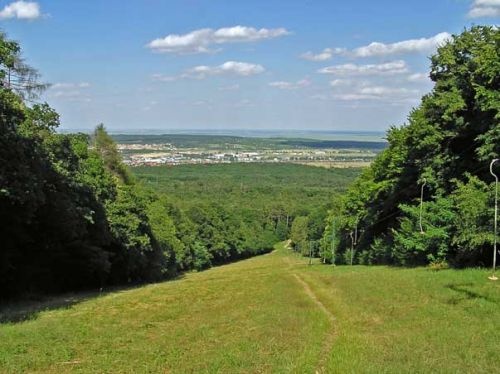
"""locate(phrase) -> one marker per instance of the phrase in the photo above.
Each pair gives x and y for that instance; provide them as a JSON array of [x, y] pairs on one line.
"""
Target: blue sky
[[192, 64]]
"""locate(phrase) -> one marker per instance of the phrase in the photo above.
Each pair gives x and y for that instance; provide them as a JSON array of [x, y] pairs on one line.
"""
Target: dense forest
[[256, 203], [73, 216], [443, 154]]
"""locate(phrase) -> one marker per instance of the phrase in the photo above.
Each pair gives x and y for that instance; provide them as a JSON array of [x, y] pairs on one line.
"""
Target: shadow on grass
[[464, 289], [30, 307]]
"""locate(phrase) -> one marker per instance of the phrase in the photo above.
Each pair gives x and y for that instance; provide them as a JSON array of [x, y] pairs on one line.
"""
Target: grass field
[[269, 314]]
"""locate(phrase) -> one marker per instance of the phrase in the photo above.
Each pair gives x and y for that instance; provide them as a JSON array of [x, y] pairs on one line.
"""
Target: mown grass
[[254, 316], [411, 320]]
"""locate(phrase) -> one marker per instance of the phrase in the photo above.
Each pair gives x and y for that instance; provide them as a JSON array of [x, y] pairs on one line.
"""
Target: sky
[[257, 65]]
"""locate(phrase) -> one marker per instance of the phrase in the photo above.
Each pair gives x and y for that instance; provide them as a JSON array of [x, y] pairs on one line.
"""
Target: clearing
[[268, 314]]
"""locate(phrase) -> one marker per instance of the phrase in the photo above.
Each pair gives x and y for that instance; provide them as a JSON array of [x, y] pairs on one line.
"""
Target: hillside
[[271, 313]]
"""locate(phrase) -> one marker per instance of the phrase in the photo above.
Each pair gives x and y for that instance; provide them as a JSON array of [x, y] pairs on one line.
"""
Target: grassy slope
[[260, 315]]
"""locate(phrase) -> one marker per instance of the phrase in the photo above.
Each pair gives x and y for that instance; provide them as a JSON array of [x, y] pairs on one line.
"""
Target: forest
[[245, 206], [441, 158], [73, 216]]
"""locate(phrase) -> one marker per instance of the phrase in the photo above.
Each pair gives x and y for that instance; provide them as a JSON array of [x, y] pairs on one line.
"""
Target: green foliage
[[473, 201], [70, 216], [448, 141], [237, 210], [105, 146], [299, 235], [15, 75], [413, 247]]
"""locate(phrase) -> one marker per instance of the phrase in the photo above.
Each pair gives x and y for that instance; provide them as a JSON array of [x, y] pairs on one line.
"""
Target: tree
[[105, 146], [299, 234], [15, 75], [448, 138]]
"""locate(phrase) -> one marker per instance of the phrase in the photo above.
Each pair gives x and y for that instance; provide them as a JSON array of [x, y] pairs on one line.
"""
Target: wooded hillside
[[446, 147]]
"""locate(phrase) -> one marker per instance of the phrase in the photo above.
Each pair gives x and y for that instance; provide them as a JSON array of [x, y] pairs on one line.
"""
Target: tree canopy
[[448, 142]]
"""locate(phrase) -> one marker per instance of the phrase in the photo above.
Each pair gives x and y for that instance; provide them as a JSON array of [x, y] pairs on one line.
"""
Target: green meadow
[[269, 314]]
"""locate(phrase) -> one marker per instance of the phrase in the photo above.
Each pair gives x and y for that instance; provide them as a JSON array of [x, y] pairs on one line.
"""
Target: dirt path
[[314, 298], [330, 334]]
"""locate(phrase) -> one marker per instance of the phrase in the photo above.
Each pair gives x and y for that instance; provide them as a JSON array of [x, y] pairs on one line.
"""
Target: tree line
[[444, 151], [262, 202], [73, 216]]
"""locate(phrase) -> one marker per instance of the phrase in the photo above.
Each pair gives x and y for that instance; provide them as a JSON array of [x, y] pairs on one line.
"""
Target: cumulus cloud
[[243, 34], [377, 49], [59, 86], [484, 9], [382, 90], [377, 93], [402, 47], [340, 82], [325, 55], [419, 77], [70, 91], [163, 78], [283, 85], [387, 68], [203, 40], [243, 69], [231, 87], [229, 67], [27, 10]]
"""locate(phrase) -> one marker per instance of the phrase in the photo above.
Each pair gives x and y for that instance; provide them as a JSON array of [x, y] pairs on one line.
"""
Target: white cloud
[[202, 71], [229, 67], [387, 68], [353, 97], [319, 97], [484, 8], [402, 47], [244, 34], [59, 86], [377, 93], [378, 88], [21, 10], [487, 2], [71, 95], [383, 49], [325, 55], [202, 103], [340, 82], [382, 91], [231, 87], [244, 103], [202, 40], [419, 77], [163, 78], [70, 91], [283, 85]]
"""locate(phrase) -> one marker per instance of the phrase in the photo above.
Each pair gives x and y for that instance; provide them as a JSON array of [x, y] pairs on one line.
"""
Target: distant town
[[218, 150]]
